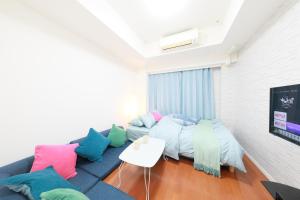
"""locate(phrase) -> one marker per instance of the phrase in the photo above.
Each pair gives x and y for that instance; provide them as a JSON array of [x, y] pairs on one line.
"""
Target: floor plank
[[177, 180]]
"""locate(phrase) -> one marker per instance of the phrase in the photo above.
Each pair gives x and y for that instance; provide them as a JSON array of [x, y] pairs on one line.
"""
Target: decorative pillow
[[185, 118], [136, 122], [183, 122], [157, 116], [61, 157], [93, 146], [117, 136], [34, 183], [63, 194], [148, 120]]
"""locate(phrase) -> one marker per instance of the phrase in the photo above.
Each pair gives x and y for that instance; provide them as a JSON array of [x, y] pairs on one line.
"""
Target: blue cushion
[[93, 146], [110, 162], [103, 191], [148, 120], [33, 184], [83, 180]]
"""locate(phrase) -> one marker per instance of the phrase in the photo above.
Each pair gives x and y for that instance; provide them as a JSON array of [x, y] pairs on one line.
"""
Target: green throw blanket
[[206, 149]]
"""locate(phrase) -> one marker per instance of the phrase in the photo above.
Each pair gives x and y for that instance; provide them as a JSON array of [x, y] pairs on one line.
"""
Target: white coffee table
[[145, 156]]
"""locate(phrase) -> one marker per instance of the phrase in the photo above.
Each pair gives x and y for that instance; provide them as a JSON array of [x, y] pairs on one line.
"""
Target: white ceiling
[[129, 32], [150, 26]]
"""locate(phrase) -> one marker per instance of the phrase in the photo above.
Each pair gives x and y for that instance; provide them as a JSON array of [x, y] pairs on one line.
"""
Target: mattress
[[135, 132]]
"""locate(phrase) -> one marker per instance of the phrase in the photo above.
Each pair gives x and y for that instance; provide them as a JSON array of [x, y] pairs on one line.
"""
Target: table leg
[[119, 174], [147, 183]]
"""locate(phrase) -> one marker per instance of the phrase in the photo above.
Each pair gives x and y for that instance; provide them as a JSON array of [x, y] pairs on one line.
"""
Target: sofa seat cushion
[[103, 168], [7, 194], [83, 180], [103, 191]]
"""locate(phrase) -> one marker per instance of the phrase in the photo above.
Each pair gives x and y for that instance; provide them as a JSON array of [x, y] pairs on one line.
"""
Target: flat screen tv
[[285, 112]]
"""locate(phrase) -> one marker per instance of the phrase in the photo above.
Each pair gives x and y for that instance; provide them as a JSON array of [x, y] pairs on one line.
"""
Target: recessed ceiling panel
[[152, 19]]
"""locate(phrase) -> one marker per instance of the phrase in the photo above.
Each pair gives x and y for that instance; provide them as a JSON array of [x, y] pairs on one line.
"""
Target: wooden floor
[[178, 180]]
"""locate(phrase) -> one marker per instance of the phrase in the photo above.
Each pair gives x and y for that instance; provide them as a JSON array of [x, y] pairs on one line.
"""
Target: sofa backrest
[[105, 133], [24, 165], [18, 167]]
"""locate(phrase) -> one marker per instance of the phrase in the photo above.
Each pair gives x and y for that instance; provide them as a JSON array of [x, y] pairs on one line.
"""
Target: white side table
[[145, 156]]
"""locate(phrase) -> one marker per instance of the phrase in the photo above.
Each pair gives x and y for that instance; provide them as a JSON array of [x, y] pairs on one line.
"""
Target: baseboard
[[260, 167]]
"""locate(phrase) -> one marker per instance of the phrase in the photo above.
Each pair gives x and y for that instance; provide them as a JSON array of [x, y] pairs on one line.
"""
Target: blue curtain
[[189, 93], [197, 94], [165, 92]]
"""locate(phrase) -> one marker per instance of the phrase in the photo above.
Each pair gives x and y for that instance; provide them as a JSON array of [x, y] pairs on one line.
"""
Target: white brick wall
[[271, 59]]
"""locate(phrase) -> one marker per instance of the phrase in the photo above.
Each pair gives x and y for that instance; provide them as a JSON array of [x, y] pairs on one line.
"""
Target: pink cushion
[[61, 157], [157, 116]]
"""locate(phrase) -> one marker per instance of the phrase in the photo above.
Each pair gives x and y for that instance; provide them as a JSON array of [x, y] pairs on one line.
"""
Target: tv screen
[[285, 112]]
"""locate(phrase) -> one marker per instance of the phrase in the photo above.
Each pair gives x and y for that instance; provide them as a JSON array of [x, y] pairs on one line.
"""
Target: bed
[[179, 140], [135, 132]]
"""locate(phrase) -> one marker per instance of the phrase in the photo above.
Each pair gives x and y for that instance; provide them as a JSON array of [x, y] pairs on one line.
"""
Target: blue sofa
[[89, 177]]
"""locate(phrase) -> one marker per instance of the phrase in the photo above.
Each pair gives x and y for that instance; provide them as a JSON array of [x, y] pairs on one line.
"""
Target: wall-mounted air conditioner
[[186, 38]]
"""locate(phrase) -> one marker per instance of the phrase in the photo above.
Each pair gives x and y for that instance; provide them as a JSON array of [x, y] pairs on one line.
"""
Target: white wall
[[217, 90], [271, 59], [54, 85]]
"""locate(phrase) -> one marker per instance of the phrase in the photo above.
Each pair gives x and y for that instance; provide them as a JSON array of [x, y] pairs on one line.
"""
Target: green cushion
[[63, 194], [117, 136]]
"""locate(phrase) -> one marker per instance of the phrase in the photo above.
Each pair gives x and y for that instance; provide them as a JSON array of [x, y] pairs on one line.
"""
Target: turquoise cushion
[[34, 183], [148, 120], [93, 146], [136, 122]]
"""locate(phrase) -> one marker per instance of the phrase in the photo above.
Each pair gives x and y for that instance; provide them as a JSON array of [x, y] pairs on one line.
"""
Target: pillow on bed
[[157, 116], [185, 118], [183, 122], [148, 120], [136, 122]]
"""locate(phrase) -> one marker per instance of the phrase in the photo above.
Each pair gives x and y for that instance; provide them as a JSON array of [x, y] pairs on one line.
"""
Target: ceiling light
[[164, 9]]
